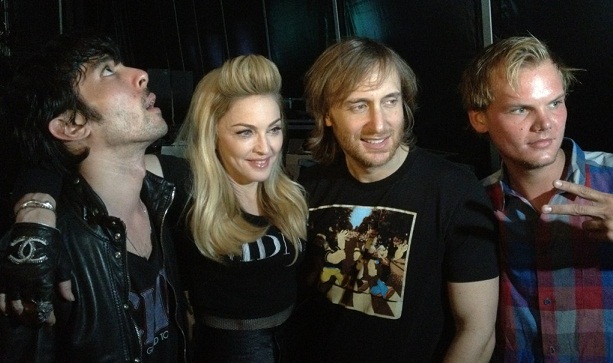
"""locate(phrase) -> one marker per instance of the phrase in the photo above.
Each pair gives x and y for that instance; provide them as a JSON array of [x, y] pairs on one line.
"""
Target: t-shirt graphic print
[[365, 250]]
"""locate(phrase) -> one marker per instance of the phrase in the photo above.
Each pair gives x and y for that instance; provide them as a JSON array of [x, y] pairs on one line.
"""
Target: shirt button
[[126, 306], [547, 301], [117, 255], [552, 350], [117, 236]]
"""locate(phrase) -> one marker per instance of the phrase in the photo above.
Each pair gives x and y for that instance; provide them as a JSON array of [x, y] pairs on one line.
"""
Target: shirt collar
[[575, 173]]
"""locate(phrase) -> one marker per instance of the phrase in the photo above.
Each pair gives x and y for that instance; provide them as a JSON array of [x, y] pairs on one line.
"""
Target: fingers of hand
[[43, 309], [601, 229], [592, 225], [51, 320], [571, 209], [580, 190], [608, 223], [585, 192], [17, 307], [37, 312], [65, 289]]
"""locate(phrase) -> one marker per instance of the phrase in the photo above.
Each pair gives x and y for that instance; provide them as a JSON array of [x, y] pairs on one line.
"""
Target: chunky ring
[[43, 309]]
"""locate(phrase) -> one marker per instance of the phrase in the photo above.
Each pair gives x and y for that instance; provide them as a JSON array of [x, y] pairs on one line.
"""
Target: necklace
[[144, 254]]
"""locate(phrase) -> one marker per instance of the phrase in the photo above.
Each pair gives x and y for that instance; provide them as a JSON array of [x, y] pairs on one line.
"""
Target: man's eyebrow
[[365, 99], [393, 94], [355, 100], [97, 62], [522, 104], [560, 96]]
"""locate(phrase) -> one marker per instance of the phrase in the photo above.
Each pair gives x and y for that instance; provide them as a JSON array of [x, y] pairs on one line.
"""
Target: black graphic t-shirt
[[259, 283], [379, 257], [150, 297]]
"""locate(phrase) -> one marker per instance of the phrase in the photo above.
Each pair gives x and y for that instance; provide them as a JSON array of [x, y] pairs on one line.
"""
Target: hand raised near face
[[599, 225]]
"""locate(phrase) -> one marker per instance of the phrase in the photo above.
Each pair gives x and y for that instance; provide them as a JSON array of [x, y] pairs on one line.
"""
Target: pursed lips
[[150, 100]]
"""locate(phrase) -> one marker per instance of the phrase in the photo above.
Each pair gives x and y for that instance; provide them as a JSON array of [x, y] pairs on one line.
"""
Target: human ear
[[63, 129], [478, 121], [327, 120]]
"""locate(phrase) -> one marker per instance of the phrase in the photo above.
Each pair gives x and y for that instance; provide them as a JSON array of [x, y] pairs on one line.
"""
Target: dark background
[[178, 41]]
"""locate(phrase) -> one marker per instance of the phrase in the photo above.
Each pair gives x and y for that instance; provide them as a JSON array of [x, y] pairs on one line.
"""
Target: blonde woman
[[246, 217]]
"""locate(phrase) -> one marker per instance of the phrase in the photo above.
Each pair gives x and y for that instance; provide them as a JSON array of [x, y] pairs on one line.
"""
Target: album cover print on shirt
[[366, 250]]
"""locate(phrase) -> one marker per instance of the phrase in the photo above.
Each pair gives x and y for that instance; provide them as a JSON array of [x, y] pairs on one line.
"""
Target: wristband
[[36, 204]]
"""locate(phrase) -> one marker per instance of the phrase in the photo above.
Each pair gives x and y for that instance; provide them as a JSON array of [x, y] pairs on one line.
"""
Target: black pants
[[229, 346]]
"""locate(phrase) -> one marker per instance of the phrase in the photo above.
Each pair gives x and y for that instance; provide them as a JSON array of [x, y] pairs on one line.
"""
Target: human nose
[[141, 78], [543, 121], [262, 144], [376, 119]]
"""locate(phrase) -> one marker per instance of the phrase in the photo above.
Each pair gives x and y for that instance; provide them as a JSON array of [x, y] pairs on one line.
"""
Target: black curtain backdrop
[[178, 41]]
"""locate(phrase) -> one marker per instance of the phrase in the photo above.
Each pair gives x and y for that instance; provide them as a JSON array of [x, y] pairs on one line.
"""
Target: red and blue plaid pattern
[[556, 283]]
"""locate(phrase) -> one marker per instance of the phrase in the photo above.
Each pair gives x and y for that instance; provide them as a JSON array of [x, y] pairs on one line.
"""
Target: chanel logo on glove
[[26, 253]]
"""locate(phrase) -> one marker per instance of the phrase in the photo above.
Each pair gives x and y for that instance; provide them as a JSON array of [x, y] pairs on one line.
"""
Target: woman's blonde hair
[[216, 220]]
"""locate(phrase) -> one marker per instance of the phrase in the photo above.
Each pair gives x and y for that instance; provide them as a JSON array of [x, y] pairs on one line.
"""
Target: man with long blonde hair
[[401, 263]]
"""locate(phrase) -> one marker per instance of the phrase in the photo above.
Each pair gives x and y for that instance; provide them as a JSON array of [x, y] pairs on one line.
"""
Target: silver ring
[[43, 309]]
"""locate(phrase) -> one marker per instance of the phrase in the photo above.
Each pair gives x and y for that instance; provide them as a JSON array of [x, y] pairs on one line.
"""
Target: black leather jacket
[[98, 326]]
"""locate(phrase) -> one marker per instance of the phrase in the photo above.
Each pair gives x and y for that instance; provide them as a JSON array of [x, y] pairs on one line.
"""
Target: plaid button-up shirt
[[556, 283]]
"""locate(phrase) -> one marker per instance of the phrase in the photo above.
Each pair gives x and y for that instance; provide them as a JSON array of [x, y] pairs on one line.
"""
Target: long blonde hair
[[215, 218]]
